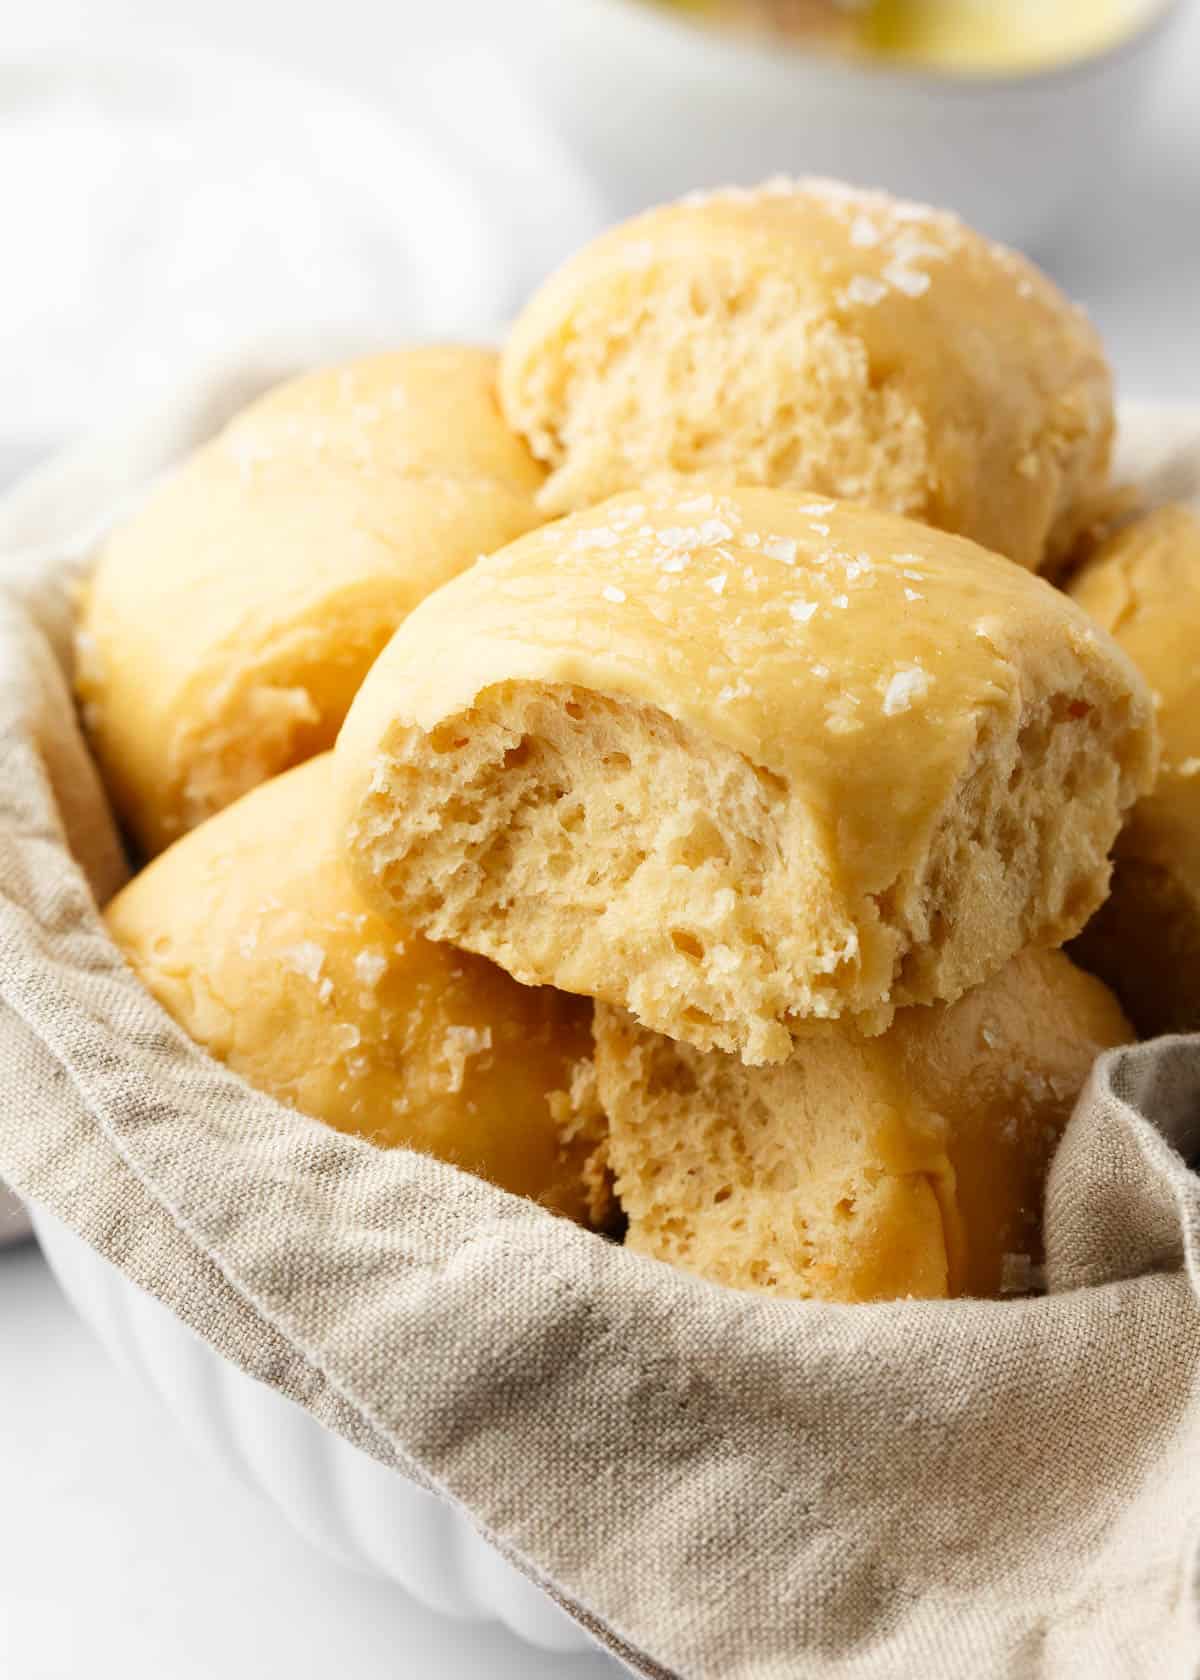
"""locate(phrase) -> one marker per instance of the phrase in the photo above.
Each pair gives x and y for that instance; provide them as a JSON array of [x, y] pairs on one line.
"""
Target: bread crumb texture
[[229, 622], [812, 335], [1143, 587], [734, 762], [910, 1164], [249, 932]]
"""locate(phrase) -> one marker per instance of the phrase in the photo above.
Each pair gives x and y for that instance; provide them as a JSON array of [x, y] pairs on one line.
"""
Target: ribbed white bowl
[[342, 1500]]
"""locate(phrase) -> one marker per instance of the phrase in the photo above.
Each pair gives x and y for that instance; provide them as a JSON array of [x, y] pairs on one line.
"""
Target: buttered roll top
[[737, 760]]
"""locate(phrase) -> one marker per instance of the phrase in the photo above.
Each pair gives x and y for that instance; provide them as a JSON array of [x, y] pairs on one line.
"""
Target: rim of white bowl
[[704, 44]]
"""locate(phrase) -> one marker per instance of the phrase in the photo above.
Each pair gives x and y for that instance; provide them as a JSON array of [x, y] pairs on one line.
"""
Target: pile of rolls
[[658, 767]]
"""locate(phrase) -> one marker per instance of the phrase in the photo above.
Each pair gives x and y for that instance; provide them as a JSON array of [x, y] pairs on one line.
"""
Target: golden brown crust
[[249, 932], [735, 761], [229, 622], [1144, 941], [1143, 587], [816, 336]]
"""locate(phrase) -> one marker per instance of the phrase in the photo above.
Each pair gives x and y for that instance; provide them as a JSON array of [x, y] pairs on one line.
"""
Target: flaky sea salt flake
[[862, 289], [306, 958], [912, 282], [603, 536], [370, 966], [909, 683], [680, 536]]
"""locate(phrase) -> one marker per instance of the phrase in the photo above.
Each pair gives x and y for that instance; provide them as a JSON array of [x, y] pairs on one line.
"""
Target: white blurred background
[[180, 176]]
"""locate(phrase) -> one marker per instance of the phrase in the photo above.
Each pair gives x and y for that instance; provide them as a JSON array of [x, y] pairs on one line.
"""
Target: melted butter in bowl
[[957, 37], [981, 35]]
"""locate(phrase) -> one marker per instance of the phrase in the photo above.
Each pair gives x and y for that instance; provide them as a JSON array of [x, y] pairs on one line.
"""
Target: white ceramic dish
[[341, 1500], [656, 105]]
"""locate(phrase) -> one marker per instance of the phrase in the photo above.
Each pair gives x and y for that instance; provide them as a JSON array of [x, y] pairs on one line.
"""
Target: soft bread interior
[[1020, 855], [862, 1169], [811, 1180], [599, 845], [631, 400], [815, 336]]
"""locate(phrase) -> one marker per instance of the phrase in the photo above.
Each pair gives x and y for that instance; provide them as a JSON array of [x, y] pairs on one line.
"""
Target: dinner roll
[[249, 932], [735, 761], [1143, 586], [230, 621], [862, 1169], [811, 335]]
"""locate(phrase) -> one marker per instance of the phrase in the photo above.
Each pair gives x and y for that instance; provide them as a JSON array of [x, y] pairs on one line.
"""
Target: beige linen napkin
[[717, 1484]]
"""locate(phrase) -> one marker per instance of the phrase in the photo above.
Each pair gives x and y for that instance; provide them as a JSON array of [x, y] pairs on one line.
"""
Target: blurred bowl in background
[[657, 104]]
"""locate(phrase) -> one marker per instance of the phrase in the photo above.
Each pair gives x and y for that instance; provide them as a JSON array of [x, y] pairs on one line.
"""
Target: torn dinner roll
[[863, 1169], [228, 622], [737, 761], [1143, 586], [816, 336], [250, 933]]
